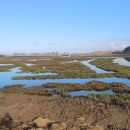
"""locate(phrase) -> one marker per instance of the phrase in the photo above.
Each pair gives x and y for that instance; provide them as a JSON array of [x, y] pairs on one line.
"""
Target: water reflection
[[40, 59], [32, 60], [50, 88], [18, 72], [6, 64], [122, 61], [5, 78], [128, 59], [72, 61], [15, 59], [64, 62], [28, 64], [45, 59], [93, 67], [85, 92]]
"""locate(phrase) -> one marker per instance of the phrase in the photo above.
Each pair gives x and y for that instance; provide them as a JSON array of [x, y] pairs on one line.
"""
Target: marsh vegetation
[[68, 68], [121, 92]]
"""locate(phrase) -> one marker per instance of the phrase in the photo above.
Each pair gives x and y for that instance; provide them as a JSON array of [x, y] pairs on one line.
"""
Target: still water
[[93, 67], [5, 78], [122, 61], [27, 64], [6, 64], [85, 93]]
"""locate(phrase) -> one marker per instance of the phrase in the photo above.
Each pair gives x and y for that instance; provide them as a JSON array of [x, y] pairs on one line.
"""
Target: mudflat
[[77, 111]]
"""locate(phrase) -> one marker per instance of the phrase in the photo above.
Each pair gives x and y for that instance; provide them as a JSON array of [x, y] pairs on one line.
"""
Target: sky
[[74, 26]]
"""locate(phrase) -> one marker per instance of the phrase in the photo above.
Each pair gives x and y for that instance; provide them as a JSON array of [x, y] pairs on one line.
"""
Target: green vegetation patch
[[17, 88], [116, 99], [98, 85], [121, 96], [120, 88], [108, 65], [38, 90]]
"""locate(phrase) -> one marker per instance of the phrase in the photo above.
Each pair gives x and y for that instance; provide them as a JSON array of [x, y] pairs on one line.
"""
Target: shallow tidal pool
[[5, 77]]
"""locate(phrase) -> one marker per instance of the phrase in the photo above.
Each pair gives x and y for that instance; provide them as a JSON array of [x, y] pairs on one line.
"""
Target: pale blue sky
[[64, 25]]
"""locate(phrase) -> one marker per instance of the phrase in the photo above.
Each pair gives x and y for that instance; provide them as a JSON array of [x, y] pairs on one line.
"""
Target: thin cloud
[[76, 40], [118, 46], [51, 43], [116, 39], [114, 46], [78, 43], [63, 44], [123, 46], [94, 39], [36, 43]]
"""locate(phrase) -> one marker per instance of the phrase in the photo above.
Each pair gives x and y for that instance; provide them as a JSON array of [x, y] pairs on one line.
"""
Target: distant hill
[[127, 50]]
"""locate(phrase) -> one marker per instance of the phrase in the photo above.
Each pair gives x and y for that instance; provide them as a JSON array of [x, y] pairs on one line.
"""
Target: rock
[[92, 106], [128, 121], [81, 118], [20, 119], [85, 124], [37, 129], [0, 120], [58, 126], [90, 127], [97, 127], [40, 122], [75, 128], [4, 128], [101, 104], [63, 124], [29, 123], [24, 126], [7, 121]]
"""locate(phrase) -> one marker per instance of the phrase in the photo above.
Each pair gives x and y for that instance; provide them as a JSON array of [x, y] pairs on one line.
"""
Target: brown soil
[[73, 111]]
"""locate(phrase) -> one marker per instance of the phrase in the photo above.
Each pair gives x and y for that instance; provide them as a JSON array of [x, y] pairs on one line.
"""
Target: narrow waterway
[[5, 78], [93, 67]]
